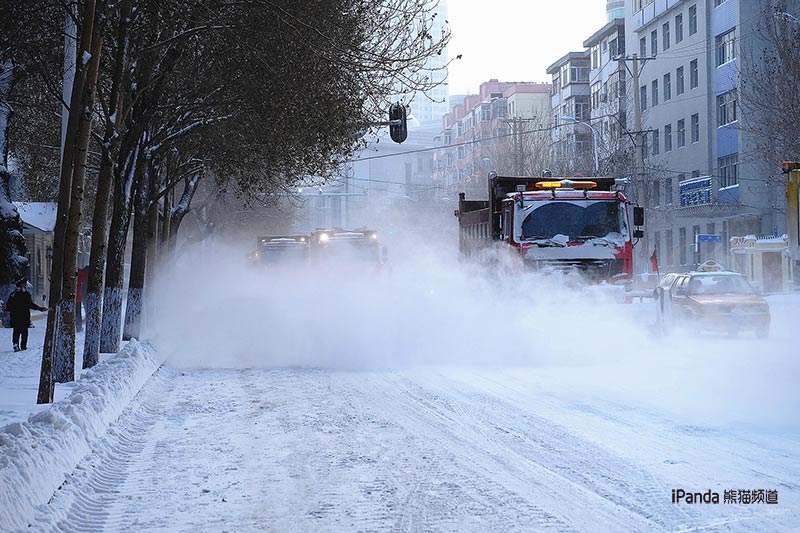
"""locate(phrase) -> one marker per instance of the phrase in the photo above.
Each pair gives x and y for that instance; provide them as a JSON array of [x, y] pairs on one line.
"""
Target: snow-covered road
[[437, 399], [446, 449]]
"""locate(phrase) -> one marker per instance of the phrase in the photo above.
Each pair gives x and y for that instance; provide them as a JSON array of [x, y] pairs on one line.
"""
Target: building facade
[[703, 174], [608, 94], [499, 129], [571, 147]]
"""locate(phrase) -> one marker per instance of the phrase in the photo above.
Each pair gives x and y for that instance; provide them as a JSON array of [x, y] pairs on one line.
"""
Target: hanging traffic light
[[398, 128]]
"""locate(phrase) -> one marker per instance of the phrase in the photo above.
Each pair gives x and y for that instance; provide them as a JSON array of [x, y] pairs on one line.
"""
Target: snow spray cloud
[[427, 310], [215, 310]]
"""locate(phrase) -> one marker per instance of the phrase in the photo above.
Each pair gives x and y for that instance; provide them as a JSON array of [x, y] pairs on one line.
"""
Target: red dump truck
[[554, 224]]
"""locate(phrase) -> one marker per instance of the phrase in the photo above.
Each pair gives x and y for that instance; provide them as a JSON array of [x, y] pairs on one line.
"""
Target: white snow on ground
[[437, 398], [37, 455]]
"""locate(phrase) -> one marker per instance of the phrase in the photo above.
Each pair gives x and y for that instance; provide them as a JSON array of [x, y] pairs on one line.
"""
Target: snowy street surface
[[308, 450], [434, 400]]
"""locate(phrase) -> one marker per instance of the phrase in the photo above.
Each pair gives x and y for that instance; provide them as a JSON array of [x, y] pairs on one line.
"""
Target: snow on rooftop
[[41, 215]]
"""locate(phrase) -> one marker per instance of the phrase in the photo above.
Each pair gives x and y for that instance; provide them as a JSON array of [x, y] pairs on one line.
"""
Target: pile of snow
[[36, 456]]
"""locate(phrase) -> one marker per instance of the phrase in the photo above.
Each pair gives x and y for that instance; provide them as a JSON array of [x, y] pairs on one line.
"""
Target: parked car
[[717, 301], [665, 283]]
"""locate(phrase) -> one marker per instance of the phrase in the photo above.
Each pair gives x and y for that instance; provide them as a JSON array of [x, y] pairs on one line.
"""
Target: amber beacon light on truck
[[566, 184]]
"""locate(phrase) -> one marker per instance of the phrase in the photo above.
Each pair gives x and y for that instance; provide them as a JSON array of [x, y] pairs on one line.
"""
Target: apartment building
[[485, 132], [703, 174], [608, 90], [571, 142]]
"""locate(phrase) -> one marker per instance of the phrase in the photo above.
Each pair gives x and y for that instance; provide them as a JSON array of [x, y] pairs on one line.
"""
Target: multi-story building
[[491, 130], [703, 173], [571, 142], [608, 90]]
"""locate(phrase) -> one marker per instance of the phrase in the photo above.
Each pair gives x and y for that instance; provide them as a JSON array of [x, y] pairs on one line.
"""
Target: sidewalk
[[19, 372]]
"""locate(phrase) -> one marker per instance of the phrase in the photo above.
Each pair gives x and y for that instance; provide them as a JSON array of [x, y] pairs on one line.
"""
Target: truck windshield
[[579, 221], [352, 250], [274, 254]]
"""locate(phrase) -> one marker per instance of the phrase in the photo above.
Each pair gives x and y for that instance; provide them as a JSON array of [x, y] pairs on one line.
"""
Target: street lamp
[[788, 17], [576, 120]]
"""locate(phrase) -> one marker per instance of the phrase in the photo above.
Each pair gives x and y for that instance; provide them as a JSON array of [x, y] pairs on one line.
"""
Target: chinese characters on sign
[[695, 191]]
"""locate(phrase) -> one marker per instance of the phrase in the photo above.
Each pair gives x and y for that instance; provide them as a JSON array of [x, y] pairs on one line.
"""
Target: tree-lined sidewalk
[[256, 95]]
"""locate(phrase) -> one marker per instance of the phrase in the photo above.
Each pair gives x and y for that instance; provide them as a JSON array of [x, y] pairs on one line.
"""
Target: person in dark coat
[[19, 306]]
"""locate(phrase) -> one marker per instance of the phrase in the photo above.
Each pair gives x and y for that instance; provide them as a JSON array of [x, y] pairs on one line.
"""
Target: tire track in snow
[[311, 450], [82, 503]]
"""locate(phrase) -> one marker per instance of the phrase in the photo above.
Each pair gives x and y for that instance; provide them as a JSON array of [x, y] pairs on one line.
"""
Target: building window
[[638, 5], [719, 2], [694, 78], [695, 128], [642, 47], [668, 245], [668, 191], [726, 108], [728, 170], [596, 95], [656, 198], [667, 87], [656, 143], [645, 151], [654, 91], [643, 96], [579, 74], [582, 109], [654, 42], [678, 28], [681, 133], [665, 36], [668, 138], [682, 245], [693, 20], [595, 57], [726, 47], [679, 81]]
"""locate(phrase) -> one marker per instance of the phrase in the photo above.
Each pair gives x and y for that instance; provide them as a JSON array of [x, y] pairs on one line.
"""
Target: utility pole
[[640, 187]]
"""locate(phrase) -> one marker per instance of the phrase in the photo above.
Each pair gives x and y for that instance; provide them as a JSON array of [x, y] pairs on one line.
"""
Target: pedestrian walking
[[19, 306], [80, 296]]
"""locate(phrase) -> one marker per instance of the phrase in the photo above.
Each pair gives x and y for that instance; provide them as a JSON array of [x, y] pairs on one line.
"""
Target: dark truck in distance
[[354, 247], [554, 223], [360, 249], [285, 250]]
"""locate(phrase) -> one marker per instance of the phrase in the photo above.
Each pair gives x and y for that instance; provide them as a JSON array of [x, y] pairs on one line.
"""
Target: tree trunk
[[183, 207], [51, 367], [65, 345], [165, 226], [12, 243], [133, 309], [115, 259], [93, 303]]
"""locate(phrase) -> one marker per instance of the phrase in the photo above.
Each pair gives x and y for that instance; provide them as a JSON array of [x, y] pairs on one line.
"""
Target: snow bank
[[36, 456]]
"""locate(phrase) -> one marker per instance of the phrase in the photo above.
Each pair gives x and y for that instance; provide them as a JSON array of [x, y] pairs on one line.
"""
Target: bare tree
[[769, 79]]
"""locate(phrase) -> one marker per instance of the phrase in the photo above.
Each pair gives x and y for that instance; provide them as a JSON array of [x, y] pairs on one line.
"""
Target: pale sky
[[515, 40]]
